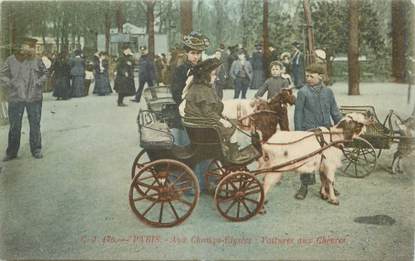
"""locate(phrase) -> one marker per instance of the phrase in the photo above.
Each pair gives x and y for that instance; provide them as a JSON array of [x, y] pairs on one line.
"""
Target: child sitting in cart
[[201, 102]]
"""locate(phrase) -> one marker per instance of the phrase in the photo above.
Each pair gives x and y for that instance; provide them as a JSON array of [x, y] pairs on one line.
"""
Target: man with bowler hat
[[23, 76]]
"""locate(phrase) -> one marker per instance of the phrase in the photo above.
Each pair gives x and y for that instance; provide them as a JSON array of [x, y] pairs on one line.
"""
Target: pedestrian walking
[[124, 80], [77, 64], [23, 75], [146, 73], [315, 107], [241, 73]]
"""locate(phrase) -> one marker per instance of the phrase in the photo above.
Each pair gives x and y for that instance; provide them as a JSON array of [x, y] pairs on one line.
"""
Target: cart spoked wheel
[[359, 158], [164, 193], [214, 175], [139, 162], [216, 172], [239, 196]]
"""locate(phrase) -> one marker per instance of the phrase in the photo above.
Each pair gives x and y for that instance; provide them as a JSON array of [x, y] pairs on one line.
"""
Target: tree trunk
[[353, 48], [265, 36], [244, 23], [309, 55], [12, 30], [186, 21], [119, 17], [219, 21], [150, 26], [107, 30], [398, 41]]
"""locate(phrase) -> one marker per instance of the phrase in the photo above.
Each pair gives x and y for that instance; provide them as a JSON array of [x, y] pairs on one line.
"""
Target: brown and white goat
[[287, 147]]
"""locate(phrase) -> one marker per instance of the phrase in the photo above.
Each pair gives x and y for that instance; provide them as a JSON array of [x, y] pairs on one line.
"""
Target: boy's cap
[[315, 68], [296, 44]]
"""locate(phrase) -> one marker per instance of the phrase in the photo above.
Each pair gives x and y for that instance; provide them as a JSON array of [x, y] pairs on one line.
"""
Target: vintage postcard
[[207, 130]]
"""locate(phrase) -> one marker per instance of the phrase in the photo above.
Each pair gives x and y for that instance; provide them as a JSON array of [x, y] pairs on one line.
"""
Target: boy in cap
[[23, 75], [315, 107]]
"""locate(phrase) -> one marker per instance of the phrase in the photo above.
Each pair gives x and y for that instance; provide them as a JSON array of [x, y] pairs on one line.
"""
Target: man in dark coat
[[124, 81], [24, 75], [146, 73], [315, 107], [297, 66], [257, 62]]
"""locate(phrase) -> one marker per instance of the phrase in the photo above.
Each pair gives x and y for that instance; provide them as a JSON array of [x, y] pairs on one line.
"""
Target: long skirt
[[62, 88], [258, 79], [102, 84], [78, 86]]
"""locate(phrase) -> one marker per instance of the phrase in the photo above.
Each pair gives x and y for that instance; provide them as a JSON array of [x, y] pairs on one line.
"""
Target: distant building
[[135, 37]]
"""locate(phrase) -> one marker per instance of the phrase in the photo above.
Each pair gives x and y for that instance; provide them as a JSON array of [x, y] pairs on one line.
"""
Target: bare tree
[[309, 55], [186, 20], [265, 36], [398, 40], [119, 17], [353, 48], [150, 26]]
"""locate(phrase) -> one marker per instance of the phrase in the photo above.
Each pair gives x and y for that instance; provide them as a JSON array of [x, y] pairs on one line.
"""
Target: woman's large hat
[[206, 66], [196, 41]]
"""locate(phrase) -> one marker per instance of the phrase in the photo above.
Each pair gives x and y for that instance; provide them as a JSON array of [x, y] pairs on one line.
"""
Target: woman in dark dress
[[124, 81], [78, 74], [102, 81], [61, 73]]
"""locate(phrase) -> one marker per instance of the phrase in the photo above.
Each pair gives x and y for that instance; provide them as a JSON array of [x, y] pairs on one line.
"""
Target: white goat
[[287, 147]]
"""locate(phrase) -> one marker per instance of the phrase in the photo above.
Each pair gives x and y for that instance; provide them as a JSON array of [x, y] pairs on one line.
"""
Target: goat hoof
[[266, 202], [333, 202], [263, 211], [323, 197]]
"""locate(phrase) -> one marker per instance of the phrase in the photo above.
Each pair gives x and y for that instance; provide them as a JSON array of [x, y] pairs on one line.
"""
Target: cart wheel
[[164, 193], [216, 172], [359, 158], [139, 162], [214, 175], [239, 196]]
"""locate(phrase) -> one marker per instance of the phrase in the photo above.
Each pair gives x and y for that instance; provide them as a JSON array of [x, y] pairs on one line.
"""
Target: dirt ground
[[73, 203]]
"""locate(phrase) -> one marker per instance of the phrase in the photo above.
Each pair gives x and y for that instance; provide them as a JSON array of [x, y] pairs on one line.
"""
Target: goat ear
[[341, 124]]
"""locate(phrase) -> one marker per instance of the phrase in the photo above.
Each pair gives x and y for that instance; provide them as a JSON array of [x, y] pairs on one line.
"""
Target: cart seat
[[208, 135]]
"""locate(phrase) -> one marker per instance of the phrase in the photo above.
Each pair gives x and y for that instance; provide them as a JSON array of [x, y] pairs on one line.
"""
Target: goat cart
[[164, 189], [360, 154]]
